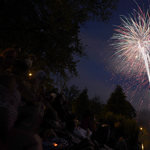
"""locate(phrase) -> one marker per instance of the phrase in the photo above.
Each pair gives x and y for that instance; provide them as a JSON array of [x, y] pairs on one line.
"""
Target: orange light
[[55, 144]]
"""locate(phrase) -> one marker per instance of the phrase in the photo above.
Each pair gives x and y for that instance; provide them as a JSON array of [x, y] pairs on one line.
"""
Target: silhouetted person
[[88, 121], [7, 59]]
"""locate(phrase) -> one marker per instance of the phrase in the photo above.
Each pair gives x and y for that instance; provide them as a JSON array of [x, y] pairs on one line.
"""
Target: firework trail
[[132, 44]]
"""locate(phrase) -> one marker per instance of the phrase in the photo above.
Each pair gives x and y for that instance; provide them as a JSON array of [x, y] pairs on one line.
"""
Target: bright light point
[[30, 74], [141, 128], [136, 57], [55, 144], [142, 146]]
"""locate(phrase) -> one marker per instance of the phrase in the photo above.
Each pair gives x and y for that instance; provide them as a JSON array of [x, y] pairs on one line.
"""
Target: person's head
[[20, 68], [60, 98], [39, 76], [32, 57], [49, 134], [71, 125], [53, 96], [42, 90], [71, 117], [38, 79], [17, 48], [100, 120], [117, 124], [9, 56], [88, 113], [28, 63], [48, 97]]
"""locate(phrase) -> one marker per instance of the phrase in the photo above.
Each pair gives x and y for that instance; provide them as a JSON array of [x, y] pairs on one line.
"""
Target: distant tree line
[[79, 102], [116, 109]]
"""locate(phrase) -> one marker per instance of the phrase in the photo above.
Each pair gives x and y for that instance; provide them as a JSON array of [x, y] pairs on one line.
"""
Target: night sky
[[94, 73]]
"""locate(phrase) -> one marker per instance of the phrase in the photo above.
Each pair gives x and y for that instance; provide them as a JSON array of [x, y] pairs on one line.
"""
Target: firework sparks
[[131, 41], [132, 44]]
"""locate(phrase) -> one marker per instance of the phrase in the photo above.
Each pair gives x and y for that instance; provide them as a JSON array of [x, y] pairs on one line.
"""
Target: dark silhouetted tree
[[50, 29], [118, 104], [71, 94], [81, 104], [144, 118], [96, 106]]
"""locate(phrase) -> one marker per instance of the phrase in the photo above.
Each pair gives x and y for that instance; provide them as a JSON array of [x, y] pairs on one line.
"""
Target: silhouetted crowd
[[32, 118]]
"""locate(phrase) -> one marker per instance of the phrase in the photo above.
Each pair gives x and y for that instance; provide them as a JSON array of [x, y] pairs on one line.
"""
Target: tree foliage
[[50, 29], [81, 104], [144, 118], [129, 126], [118, 104], [71, 94], [96, 106]]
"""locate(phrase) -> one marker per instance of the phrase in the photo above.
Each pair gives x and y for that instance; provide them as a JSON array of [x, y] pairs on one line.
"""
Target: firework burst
[[131, 42]]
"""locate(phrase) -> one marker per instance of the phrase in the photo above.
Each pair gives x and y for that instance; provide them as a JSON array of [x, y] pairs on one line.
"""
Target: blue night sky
[[92, 72]]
